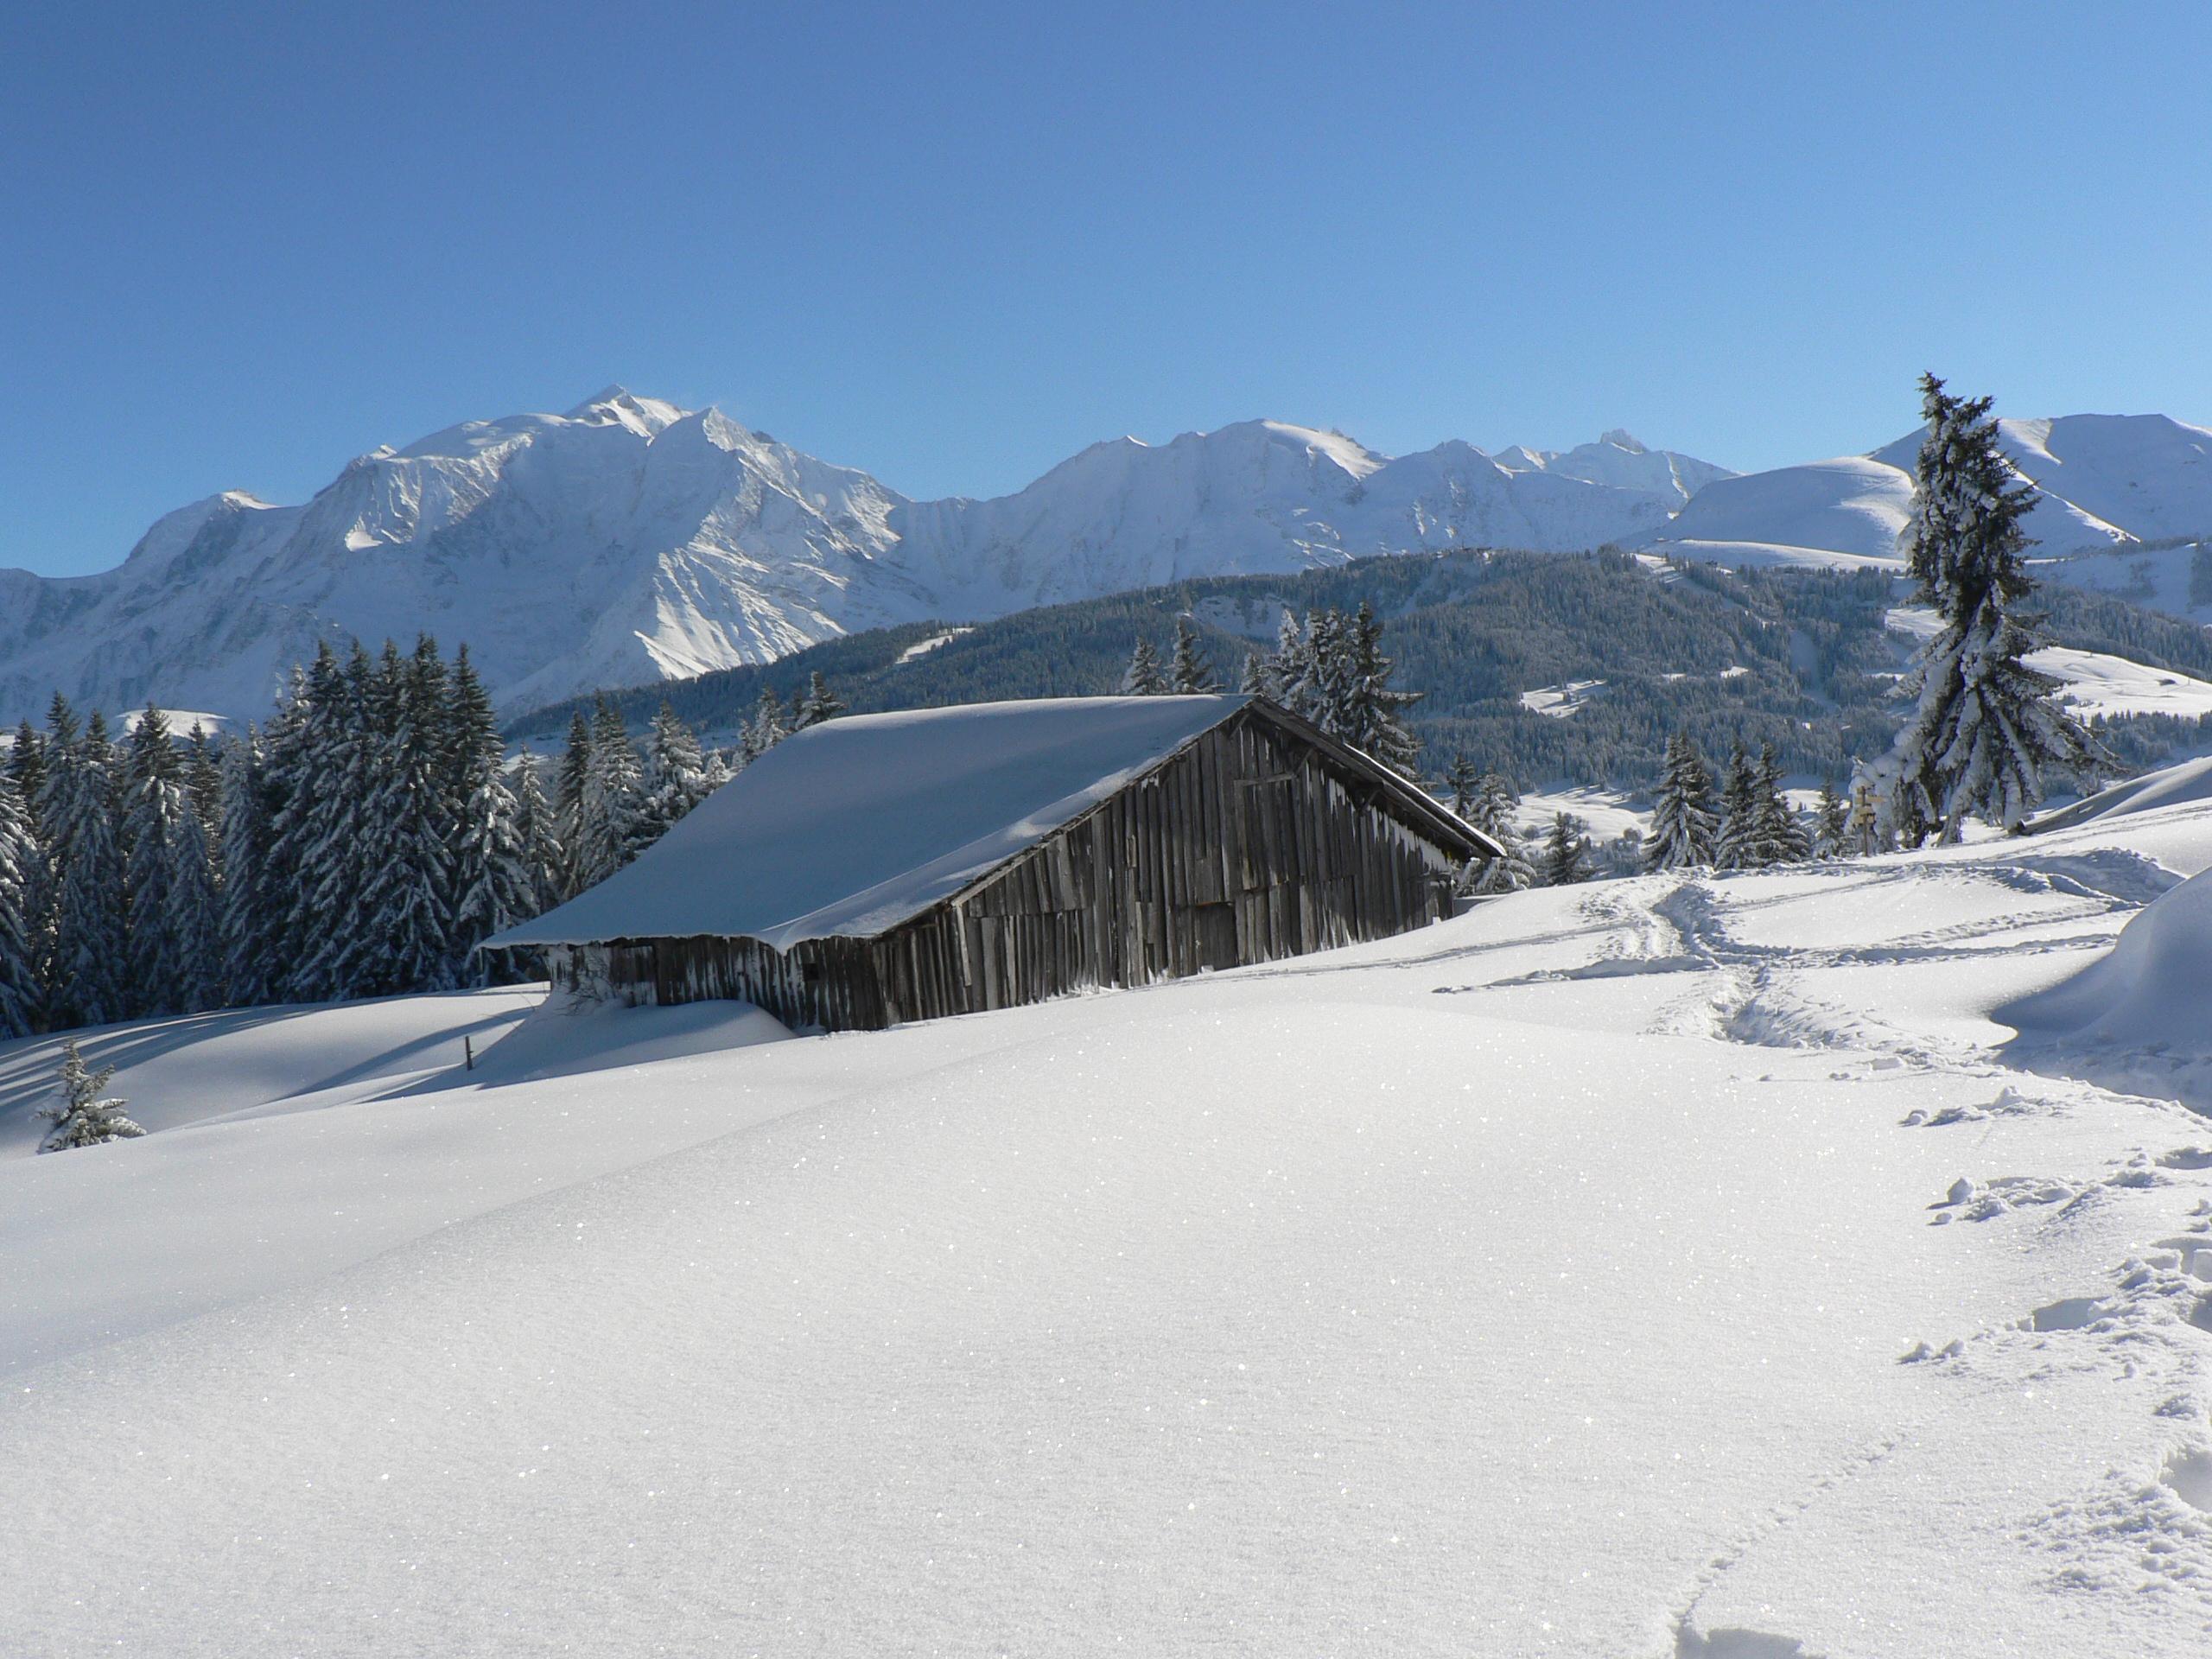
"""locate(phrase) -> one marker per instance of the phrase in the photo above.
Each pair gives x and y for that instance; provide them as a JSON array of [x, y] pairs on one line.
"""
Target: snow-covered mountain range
[[629, 540]]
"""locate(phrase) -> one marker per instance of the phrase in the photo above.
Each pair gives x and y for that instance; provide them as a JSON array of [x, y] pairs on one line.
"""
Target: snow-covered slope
[[1689, 1266], [2094, 682], [629, 540], [2105, 485]]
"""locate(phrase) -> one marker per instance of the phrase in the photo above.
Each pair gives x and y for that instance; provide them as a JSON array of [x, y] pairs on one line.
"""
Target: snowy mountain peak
[[618, 405], [1619, 439]]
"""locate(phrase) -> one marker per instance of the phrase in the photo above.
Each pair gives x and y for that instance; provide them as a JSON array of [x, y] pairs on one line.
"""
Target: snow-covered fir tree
[[406, 941], [1566, 858], [1735, 843], [676, 769], [1683, 821], [1188, 671], [1460, 781], [571, 783], [1495, 809], [1512, 871], [768, 726], [195, 918], [20, 855], [1831, 822], [153, 806], [1985, 726], [91, 948], [320, 772], [1375, 710], [1778, 836], [1287, 666], [1144, 677], [1257, 679], [1496, 806], [26, 769], [494, 886], [816, 704], [537, 835], [87, 1116], [243, 902], [612, 828]]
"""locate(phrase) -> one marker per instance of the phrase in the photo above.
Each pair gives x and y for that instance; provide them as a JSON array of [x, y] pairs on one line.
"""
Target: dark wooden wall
[[1248, 846]]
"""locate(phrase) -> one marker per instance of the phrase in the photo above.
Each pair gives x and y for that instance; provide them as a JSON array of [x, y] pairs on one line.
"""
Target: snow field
[[1675, 1266]]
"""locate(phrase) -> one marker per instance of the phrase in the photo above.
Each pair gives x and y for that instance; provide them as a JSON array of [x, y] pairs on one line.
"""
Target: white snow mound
[[2150, 990]]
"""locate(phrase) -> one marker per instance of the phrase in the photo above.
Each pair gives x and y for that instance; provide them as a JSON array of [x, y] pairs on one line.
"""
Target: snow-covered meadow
[[1713, 1265]]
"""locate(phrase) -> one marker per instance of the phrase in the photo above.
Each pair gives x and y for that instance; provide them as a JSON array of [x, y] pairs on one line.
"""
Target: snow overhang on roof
[[853, 826]]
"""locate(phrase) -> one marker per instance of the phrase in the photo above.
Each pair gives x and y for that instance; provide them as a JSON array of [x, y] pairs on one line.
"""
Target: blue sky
[[953, 244]]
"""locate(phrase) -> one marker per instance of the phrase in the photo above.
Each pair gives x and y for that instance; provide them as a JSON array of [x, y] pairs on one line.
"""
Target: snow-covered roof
[[853, 826]]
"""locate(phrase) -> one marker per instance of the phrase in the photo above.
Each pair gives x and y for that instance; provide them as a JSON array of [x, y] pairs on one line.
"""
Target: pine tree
[[818, 704], [1735, 845], [154, 804], [243, 906], [20, 997], [767, 728], [493, 882], [571, 783], [1324, 693], [1985, 725], [1831, 822], [1375, 712], [1288, 668], [536, 833], [35, 893], [1143, 677], [1567, 852], [613, 824], [91, 947], [1257, 680], [1777, 835], [27, 761], [203, 785], [1496, 806], [675, 771], [495, 886], [1189, 673], [1512, 871], [1683, 822], [404, 942], [1460, 782], [195, 922], [85, 1118], [325, 771]]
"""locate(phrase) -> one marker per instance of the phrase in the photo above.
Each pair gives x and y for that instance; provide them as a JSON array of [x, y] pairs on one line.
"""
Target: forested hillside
[[1617, 650]]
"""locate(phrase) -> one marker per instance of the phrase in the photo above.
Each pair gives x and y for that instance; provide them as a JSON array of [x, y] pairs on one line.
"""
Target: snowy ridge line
[[628, 542]]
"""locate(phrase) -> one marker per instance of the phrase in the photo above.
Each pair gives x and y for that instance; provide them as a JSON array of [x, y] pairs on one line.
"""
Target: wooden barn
[[889, 867]]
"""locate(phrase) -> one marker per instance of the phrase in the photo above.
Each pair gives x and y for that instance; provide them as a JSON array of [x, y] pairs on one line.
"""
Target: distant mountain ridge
[[630, 540]]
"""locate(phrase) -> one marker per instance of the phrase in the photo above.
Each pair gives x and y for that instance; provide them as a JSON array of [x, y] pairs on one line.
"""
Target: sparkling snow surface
[[1681, 1266]]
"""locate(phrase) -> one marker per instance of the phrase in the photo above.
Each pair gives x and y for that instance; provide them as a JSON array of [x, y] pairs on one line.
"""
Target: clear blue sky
[[952, 245]]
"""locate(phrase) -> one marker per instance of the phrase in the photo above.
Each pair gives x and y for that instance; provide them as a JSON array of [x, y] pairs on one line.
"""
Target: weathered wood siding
[[1246, 846]]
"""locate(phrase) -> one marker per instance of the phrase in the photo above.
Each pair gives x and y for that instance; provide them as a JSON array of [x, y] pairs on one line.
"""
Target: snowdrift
[[2148, 992], [2179, 785]]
